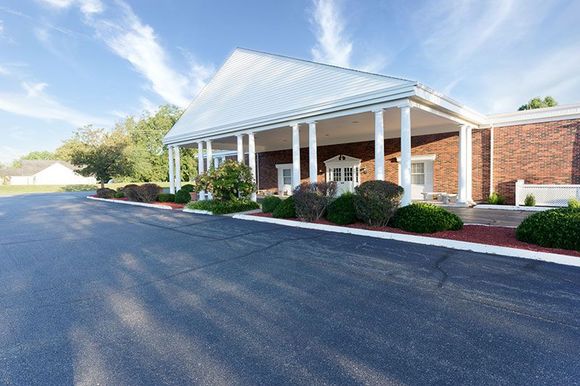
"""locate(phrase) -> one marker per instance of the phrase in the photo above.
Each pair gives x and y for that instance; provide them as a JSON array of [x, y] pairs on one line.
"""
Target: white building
[[44, 172]]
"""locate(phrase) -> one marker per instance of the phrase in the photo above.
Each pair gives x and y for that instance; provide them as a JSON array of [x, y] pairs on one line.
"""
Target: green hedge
[[425, 218], [188, 188], [555, 228], [286, 209], [496, 199], [270, 203], [224, 207], [376, 201], [166, 197], [106, 193], [342, 211], [182, 196]]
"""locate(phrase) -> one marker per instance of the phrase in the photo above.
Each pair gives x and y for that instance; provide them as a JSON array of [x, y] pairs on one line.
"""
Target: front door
[[343, 170], [421, 178]]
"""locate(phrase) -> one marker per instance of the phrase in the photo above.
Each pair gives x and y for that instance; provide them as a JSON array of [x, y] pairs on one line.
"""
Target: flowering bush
[[230, 181]]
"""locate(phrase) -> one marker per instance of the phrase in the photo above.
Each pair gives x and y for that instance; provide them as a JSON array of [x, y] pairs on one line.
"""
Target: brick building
[[297, 121]]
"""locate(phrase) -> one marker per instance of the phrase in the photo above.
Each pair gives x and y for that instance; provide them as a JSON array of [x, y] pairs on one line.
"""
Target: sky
[[68, 63]]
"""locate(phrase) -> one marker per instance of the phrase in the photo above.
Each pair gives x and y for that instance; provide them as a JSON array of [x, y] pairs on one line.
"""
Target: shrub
[[119, 194], [311, 200], [143, 193], [375, 202], [230, 181], [426, 218], [495, 199], [166, 197], [105, 193], [530, 200], [342, 211], [224, 207], [182, 196], [286, 209], [188, 188], [555, 228], [270, 203], [573, 203]]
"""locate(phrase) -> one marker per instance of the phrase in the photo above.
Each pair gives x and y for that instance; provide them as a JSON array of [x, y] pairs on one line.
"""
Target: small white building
[[44, 172]]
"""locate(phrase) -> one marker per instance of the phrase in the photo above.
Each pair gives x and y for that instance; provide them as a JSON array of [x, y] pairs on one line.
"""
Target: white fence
[[547, 195]]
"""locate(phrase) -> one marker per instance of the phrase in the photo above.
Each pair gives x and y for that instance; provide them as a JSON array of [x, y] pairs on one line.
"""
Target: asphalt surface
[[100, 293]]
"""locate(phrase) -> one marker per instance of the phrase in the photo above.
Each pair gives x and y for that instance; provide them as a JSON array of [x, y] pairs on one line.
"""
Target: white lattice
[[547, 195]]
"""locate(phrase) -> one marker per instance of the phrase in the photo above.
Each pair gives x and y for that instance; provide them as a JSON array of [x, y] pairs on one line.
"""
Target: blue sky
[[67, 63]]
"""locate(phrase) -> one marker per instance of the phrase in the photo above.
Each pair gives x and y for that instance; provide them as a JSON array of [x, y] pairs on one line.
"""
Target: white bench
[[431, 195]]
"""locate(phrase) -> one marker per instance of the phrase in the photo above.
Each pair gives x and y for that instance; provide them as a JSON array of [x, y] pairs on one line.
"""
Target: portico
[[399, 116]]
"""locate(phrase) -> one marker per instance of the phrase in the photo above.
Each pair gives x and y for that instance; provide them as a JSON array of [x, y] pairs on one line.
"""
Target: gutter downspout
[[491, 145]]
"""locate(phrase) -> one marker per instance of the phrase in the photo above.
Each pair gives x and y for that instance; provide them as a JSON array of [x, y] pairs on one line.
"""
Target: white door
[[346, 178], [285, 181], [421, 178]]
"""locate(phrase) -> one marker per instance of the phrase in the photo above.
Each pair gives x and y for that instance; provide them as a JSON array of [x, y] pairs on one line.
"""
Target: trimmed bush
[[119, 194], [573, 203], [188, 187], [270, 203], [530, 200], [496, 199], [342, 211], [166, 197], [555, 228], [224, 207], [143, 193], [182, 196], [286, 209], [426, 218], [311, 200], [375, 202], [105, 193]]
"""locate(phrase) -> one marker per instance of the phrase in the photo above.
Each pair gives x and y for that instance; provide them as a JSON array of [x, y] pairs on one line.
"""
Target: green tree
[[538, 103], [100, 154], [33, 156]]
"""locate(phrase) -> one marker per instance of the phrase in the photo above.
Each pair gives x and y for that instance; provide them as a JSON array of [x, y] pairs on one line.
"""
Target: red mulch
[[490, 235], [173, 205]]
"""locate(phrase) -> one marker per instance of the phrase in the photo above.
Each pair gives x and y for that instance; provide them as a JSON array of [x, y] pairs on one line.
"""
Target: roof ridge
[[323, 64]]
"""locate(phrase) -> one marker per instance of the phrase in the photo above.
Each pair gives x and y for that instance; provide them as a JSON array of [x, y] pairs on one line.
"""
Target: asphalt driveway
[[94, 292]]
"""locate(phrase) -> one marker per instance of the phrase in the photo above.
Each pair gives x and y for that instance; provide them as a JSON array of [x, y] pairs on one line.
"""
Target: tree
[[33, 156], [538, 103], [100, 154]]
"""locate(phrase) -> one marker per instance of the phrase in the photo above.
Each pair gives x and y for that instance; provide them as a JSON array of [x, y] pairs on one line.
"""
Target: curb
[[424, 240], [197, 211], [515, 208], [157, 206]]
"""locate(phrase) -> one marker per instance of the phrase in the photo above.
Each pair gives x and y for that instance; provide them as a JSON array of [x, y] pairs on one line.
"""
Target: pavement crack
[[438, 266]]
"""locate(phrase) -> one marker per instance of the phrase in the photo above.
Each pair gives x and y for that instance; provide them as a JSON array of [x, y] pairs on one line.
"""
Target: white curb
[[437, 242], [513, 207], [198, 211], [158, 206]]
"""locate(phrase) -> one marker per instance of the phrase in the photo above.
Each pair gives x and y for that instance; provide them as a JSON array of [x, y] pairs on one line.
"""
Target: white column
[[177, 168], [462, 172], [469, 164], [312, 153], [171, 171], [406, 154], [379, 146], [200, 166], [240, 140], [208, 154], [295, 155], [252, 160]]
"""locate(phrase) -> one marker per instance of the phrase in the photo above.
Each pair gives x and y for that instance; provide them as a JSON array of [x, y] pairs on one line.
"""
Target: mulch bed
[[173, 205], [489, 235]]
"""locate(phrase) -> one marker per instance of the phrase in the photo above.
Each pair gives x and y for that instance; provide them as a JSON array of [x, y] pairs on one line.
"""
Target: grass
[[10, 190]]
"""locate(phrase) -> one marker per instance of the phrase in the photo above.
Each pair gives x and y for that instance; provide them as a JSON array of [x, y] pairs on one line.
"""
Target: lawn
[[9, 190]]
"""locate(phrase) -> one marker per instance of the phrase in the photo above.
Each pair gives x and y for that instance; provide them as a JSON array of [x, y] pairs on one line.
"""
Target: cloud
[[34, 102], [87, 7], [332, 44]]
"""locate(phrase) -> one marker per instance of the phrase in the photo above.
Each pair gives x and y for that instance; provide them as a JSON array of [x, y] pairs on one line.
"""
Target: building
[[44, 172], [299, 121]]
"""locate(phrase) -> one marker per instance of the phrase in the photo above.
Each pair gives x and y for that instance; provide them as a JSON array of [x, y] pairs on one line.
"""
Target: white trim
[[425, 240], [157, 206], [283, 166], [513, 207], [426, 157]]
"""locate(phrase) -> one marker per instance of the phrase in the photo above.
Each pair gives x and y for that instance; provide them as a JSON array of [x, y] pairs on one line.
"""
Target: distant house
[[44, 172]]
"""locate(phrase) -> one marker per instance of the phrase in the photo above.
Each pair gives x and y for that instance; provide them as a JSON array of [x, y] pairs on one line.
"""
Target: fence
[[547, 195]]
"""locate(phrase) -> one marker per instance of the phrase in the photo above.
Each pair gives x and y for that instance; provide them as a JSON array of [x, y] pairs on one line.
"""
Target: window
[[287, 176], [336, 174], [348, 174], [356, 175], [418, 173]]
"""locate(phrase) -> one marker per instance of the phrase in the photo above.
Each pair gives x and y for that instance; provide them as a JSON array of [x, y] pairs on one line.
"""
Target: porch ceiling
[[347, 129]]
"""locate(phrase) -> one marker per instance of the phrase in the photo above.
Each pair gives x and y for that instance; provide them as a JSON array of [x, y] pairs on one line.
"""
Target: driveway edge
[[157, 206], [424, 240]]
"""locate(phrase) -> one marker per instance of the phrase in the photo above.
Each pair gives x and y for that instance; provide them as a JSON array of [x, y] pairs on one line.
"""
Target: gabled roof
[[252, 86], [32, 167]]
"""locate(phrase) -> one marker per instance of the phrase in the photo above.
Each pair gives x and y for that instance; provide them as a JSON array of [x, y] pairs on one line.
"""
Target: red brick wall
[[540, 153]]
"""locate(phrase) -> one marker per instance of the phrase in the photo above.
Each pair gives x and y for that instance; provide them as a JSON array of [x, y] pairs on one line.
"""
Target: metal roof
[[252, 86]]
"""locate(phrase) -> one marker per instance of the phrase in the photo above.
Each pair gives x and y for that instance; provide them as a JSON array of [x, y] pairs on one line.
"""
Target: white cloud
[[35, 103], [87, 7], [332, 45], [58, 3]]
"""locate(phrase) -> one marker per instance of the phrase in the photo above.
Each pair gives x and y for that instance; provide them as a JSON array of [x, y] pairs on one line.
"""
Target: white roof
[[252, 87]]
